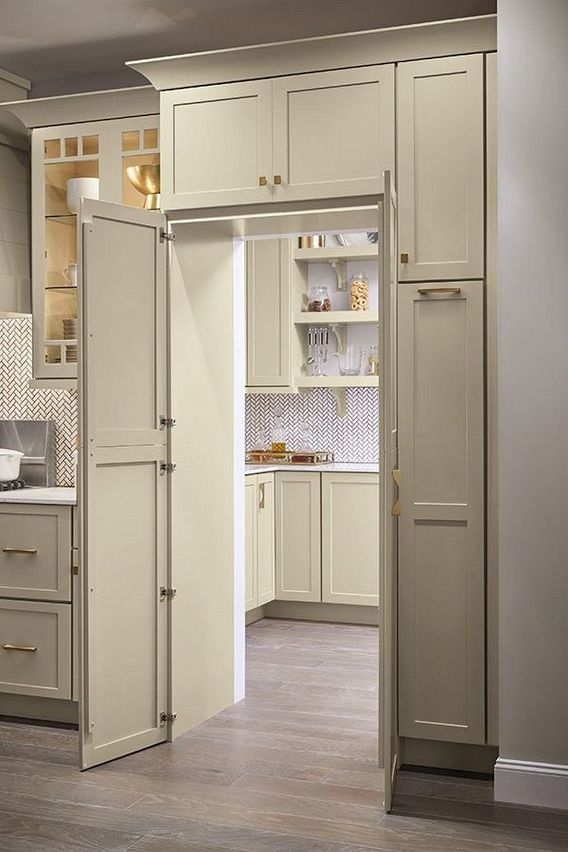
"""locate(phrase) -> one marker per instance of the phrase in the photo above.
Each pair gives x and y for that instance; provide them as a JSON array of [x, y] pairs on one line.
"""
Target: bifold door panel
[[441, 544]]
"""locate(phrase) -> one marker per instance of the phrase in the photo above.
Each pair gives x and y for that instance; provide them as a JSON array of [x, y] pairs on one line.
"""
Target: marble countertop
[[334, 467], [39, 496]]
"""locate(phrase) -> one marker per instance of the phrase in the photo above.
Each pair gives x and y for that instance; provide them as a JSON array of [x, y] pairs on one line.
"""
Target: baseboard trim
[[523, 782], [312, 611]]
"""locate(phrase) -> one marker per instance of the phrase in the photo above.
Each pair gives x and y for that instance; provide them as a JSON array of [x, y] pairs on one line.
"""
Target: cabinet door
[[298, 527], [251, 593], [266, 566], [268, 313], [440, 168], [217, 144], [333, 133], [441, 537], [350, 538]]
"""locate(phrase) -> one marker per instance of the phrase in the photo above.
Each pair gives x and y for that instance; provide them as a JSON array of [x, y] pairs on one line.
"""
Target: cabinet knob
[[277, 180], [263, 181], [404, 257]]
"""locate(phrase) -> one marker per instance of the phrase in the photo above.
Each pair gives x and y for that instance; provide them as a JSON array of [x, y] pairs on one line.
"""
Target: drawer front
[[35, 552], [35, 648]]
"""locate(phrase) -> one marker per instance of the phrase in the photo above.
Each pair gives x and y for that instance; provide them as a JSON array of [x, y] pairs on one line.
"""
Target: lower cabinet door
[[250, 543], [298, 547], [266, 579], [35, 648], [350, 538]]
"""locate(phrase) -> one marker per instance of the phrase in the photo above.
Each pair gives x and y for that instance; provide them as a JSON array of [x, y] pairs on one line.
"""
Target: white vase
[[85, 187]]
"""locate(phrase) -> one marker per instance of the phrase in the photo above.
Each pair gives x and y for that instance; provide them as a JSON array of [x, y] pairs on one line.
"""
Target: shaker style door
[[217, 144], [440, 168], [265, 539], [333, 133], [298, 533], [251, 550]]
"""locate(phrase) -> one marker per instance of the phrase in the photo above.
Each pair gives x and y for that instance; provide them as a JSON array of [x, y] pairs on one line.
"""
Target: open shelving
[[336, 318]]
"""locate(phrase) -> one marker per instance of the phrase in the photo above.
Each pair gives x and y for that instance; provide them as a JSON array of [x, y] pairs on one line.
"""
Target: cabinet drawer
[[35, 552], [35, 648]]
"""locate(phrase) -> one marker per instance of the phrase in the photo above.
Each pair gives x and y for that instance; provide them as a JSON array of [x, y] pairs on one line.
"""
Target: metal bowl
[[146, 179]]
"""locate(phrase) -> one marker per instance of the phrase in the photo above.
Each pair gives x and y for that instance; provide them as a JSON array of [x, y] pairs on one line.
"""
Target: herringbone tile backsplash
[[353, 438], [20, 402]]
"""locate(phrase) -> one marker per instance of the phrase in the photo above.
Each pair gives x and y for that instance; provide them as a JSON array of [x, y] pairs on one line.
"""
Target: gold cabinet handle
[[404, 257], [263, 180], [451, 291], [396, 505], [277, 180], [9, 647], [261, 502], [30, 551]]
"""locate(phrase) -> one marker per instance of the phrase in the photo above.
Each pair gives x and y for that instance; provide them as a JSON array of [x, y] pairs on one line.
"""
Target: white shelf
[[336, 318], [337, 381], [330, 253]]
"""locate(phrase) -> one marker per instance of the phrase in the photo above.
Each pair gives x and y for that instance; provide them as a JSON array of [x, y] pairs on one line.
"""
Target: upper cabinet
[[68, 162], [440, 168], [307, 136]]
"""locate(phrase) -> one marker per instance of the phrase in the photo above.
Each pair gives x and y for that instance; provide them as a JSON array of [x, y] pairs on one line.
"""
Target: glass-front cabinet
[[115, 160]]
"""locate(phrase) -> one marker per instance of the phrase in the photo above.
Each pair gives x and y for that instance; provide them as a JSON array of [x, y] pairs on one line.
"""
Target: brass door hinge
[[396, 505], [167, 719], [167, 594], [74, 560]]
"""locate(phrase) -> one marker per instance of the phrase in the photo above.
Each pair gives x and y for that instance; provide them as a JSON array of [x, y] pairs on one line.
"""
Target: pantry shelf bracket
[[340, 269], [340, 334]]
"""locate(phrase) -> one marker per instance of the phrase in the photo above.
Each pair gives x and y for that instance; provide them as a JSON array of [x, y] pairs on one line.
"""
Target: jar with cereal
[[359, 292], [318, 299]]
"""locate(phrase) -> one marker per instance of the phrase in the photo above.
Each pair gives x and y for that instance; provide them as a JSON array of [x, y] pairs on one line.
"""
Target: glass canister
[[318, 299], [359, 292], [373, 360]]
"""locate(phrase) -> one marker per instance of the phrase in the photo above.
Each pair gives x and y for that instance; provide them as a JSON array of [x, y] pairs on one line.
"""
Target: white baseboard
[[522, 782]]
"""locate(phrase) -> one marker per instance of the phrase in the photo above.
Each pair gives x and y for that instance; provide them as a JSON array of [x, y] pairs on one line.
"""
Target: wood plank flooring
[[292, 767]]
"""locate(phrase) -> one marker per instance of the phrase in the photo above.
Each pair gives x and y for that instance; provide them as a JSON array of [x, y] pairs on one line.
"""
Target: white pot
[[10, 464], [81, 188]]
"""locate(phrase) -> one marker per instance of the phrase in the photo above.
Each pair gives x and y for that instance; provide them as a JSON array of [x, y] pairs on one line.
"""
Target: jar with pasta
[[359, 292]]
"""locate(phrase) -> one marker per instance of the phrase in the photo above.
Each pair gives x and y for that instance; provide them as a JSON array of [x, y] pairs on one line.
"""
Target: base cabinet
[[298, 536], [350, 538], [259, 540]]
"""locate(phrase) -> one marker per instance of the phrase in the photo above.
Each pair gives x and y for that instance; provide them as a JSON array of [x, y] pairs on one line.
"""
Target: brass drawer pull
[[9, 647], [261, 503], [30, 551], [404, 257], [452, 291], [263, 181], [277, 180]]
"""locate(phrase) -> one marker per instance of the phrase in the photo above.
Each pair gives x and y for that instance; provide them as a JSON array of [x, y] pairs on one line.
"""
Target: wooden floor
[[292, 767]]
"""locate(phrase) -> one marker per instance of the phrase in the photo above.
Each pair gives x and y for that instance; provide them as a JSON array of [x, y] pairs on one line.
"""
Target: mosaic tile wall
[[353, 438], [20, 402]]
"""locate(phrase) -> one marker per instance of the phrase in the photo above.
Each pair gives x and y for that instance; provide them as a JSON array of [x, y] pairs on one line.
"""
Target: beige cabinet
[[307, 136], [440, 120], [298, 536], [350, 538], [441, 592], [259, 540], [333, 133], [268, 313], [219, 145]]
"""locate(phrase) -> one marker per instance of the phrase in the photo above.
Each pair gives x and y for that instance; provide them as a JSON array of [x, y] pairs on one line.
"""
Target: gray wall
[[533, 379]]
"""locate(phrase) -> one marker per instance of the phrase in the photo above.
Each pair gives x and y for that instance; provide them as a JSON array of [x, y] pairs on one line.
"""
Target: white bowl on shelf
[[77, 188]]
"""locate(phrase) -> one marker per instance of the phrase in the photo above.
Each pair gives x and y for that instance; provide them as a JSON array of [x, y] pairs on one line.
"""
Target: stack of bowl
[[70, 333]]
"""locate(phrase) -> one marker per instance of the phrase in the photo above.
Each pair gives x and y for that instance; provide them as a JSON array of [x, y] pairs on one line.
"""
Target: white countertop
[[334, 467], [45, 496]]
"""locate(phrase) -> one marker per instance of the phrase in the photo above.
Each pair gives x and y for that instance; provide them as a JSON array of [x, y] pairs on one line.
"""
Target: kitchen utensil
[[350, 361], [77, 188], [318, 342], [146, 179], [70, 273], [10, 464]]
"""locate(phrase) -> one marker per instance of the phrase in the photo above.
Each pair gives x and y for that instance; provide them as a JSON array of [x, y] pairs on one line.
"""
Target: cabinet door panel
[[333, 132], [441, 545], [250, 543], [440, 168], [350, 538], [266, 565], [268, 313], [218, 144], [298, 549]]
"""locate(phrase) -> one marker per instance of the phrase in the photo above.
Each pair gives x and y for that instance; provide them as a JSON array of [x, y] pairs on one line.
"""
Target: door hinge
[[74, 560], [167, 422], [167, 719], [166, 236], [166, 467], [167, 593]]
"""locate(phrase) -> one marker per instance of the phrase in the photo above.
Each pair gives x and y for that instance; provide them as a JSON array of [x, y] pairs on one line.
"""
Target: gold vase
[[146, 179]]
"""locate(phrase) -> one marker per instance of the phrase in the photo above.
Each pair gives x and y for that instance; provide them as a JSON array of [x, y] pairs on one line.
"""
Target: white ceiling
[[77, 45]]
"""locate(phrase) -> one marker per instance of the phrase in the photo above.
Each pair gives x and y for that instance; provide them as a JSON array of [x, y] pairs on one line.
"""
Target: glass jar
[[359, 292], [373, 361], [318, 299]]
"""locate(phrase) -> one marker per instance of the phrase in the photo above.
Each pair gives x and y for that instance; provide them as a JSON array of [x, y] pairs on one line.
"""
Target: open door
[[389, 482], [123, 481]]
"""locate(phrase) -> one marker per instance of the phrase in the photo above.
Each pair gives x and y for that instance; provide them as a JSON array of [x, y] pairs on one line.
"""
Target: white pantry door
[[123, 490], [389, 477]]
